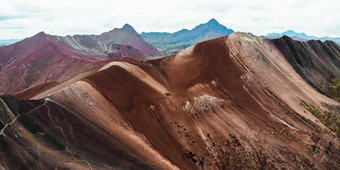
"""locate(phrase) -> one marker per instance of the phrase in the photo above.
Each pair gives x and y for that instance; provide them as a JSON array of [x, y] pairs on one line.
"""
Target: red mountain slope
[[44, 58], [228, 103]]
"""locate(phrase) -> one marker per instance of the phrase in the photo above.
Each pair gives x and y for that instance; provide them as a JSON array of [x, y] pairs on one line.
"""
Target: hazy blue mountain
[[169, 43], [337, 40], [8, 41], [300, 36]]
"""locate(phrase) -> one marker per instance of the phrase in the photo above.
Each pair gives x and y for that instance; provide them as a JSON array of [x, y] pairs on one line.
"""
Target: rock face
[[228, 103], [170, 43], [317, 62]]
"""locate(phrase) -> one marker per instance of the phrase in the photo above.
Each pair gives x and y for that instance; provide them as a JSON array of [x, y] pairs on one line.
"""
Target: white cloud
[[22, 18]]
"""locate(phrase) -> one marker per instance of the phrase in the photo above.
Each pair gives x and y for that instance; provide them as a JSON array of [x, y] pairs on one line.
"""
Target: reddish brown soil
[[31, 92], [228, 103]]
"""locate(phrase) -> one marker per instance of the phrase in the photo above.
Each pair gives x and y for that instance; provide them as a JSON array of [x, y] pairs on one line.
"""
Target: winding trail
[[13, 121]]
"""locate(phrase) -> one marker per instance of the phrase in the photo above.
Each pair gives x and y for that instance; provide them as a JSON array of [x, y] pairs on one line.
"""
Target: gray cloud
[[63, 17], [2, 18]]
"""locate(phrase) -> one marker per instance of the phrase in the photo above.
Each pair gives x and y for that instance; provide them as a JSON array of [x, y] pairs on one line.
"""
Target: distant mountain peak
[[295, 35], [128, 27], [289, 31], [170, 43], [42, 33], [213, 26], [213, 21]]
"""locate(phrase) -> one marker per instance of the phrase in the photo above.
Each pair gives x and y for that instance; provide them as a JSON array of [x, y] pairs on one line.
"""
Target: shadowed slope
[[317, 62]]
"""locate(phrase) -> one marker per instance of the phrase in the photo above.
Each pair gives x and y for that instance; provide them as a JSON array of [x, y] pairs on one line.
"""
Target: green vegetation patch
[[329, 119], [336, 89]]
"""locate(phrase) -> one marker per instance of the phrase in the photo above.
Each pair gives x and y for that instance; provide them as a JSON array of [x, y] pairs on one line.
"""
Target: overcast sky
[[24, 18]]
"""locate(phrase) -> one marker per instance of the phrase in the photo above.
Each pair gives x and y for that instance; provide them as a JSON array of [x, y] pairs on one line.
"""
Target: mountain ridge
[[234, 102], [40, 59], [127, 35], [301, 36], [74, 55]]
